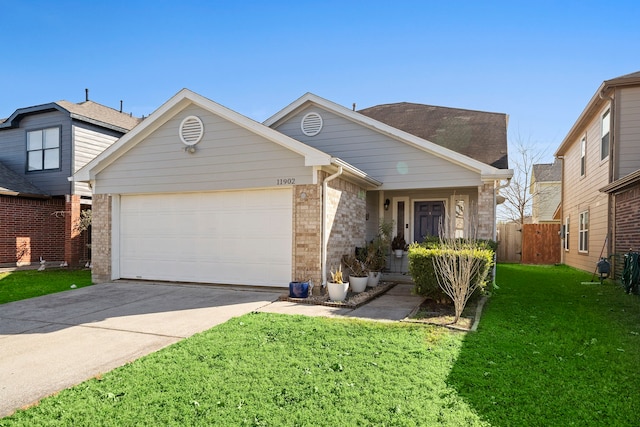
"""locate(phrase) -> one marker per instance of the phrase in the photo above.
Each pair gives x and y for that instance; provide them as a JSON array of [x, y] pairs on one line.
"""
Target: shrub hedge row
[[421, 267]]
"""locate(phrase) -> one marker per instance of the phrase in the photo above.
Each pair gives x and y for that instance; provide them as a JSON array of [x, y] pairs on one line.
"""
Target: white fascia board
[[496, 174], [402, 136]]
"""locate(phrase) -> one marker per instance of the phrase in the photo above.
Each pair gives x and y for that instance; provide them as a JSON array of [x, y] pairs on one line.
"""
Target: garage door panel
[[235, 237]]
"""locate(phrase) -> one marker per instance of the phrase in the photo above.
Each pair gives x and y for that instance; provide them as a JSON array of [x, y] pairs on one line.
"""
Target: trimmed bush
[[421, 268]]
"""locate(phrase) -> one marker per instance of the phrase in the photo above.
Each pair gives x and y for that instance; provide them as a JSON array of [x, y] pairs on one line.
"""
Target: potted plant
[[337, 287], [359, 275], [398, 245], [376, 252]]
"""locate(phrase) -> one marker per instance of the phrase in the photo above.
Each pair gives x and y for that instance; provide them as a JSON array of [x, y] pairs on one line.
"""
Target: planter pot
[[398, 253], [374, 278], [337, 291], [298, 289], [358, 284]]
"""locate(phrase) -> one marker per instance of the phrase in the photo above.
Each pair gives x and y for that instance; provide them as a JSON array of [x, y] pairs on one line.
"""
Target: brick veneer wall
[[486, 211], [101, 238], [307, 233], [346, 210], [30, 229], [627, 225]]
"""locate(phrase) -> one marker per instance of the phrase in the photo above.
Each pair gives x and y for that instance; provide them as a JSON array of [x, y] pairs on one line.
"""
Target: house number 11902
[[285, 181]]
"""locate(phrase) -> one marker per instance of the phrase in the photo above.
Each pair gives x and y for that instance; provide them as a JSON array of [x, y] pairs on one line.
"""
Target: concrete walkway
[[56, 341]]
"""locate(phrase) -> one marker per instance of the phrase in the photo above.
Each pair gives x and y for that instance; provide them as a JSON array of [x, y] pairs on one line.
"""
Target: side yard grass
[[549, 352], [23, 284]]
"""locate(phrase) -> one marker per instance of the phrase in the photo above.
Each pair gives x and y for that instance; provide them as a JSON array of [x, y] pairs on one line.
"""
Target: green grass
[[23, 284], [549, 352]]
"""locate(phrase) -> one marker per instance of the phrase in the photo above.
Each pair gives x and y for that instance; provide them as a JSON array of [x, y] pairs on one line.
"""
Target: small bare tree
[[459, 270]]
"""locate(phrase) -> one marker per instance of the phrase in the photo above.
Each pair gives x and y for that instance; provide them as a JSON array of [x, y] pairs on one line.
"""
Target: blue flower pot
[[298, 289]]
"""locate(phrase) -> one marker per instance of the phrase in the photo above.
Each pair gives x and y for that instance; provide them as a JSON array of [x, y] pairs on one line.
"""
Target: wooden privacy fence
[[540, 244], [509, 242]]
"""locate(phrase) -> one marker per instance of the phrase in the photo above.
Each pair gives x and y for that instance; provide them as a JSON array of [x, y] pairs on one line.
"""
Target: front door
[[428, 216]]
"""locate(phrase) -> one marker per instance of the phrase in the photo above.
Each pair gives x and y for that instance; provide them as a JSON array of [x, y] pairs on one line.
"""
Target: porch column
[[486, 211]]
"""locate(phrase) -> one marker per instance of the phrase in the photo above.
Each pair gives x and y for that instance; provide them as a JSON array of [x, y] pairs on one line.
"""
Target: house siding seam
[[31, 229], [627, 232], [101, 238]]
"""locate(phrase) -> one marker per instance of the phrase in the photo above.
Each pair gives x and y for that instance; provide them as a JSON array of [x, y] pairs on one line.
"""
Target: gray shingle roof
[[102, 114], [12, 184], [547, 172], [477, 134]]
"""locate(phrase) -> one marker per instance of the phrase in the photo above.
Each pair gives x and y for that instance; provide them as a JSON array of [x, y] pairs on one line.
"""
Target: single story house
[[200, 193]]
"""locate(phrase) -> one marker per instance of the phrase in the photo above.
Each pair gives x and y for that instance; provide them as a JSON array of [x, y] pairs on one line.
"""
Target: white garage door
[[241, 237]]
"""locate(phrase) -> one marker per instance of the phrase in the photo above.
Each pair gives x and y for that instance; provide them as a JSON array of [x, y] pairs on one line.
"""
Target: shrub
[[422, 270]]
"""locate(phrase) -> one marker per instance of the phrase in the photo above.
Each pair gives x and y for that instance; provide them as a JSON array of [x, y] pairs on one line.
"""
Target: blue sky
[[538, 61]]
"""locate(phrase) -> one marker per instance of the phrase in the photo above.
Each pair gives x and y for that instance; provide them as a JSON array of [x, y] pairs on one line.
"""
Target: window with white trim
[[566, 234], [583, 156], [583, 232], [43, 149], [606, 127]]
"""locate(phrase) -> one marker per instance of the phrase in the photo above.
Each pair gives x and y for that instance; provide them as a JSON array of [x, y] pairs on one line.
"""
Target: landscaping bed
[[442, 314], [354, 300]]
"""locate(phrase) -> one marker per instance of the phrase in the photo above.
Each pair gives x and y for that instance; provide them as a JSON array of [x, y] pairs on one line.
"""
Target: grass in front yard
[[23, 284], [549, 352]]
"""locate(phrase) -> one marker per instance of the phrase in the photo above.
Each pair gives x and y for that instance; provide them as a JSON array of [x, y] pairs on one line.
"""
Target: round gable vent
[[311, 124], [191, 130]]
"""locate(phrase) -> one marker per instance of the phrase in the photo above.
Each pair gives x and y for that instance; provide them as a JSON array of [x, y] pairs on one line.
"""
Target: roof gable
[[179, 102], [486, 171]]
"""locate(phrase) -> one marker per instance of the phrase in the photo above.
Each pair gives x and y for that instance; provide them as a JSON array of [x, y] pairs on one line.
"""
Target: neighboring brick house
[[41, 147], [602, 148], [626, 216], [545, 189], [200, 193]]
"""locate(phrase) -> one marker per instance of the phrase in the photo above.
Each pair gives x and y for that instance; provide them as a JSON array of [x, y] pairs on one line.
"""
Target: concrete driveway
[[55, 341]]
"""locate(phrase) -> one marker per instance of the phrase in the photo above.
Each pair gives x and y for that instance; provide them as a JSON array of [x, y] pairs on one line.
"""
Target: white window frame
[[583, 156], [583, 232], [43, 150], [605, 132], [565, 243]]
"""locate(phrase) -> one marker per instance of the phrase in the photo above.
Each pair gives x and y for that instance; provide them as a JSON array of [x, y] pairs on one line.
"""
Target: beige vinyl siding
[[581, 194], [227, 157], [396, 164], [88, 143], [628, 130]]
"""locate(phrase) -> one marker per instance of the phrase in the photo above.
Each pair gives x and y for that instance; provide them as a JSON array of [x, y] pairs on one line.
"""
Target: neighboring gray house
[[545, 189], [200, 193], [40, 148]]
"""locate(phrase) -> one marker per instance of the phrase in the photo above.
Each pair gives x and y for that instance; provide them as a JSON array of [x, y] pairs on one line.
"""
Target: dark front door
[[427, 219]]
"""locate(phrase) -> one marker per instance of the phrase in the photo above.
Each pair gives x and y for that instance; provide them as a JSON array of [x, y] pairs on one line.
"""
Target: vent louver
[[311, 124], [191, 130]]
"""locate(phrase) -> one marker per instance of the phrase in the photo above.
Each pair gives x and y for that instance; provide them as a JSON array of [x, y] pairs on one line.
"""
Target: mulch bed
[[354, 300], [442, 314]]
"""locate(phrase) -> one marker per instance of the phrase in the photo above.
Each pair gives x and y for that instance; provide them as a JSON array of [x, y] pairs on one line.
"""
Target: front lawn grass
[[23, 284], [549, 352]]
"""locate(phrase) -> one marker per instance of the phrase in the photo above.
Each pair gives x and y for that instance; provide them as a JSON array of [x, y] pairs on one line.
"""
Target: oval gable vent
[[311, 124], [191, 130]]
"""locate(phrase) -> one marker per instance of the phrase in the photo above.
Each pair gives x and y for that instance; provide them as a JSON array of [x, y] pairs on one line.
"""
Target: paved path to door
[[55, 341]]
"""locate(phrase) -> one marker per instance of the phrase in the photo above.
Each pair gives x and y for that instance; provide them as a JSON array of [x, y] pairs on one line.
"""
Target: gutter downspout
[[325, 234], [612, 171]]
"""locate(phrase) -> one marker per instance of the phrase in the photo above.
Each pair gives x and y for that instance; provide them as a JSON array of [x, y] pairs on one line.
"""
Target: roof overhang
[[622, 183], [598, 100]]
